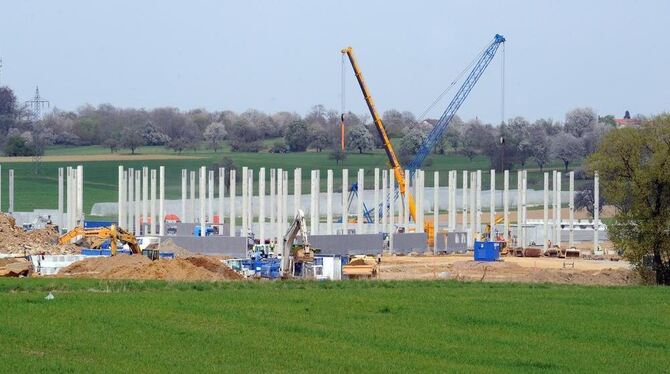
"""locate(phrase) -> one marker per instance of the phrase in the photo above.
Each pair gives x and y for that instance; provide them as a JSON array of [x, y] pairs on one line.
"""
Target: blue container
[[90, 252], [96, 224], [106, 252], [487, 251], [169, 255]]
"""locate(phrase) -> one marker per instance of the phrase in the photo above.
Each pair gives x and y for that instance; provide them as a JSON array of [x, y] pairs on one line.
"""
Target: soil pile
[[15, 240], [15, 267], [169, 246], [140, 267]]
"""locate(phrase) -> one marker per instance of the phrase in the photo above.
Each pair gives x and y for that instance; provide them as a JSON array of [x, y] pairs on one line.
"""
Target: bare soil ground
[[106, 157], [140, 267], [509, 269]]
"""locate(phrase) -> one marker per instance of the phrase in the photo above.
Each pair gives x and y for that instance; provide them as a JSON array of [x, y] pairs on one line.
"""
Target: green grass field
[[39, 189], [434, 326]]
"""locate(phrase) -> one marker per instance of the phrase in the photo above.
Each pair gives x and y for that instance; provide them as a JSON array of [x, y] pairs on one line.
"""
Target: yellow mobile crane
[[398, 170]]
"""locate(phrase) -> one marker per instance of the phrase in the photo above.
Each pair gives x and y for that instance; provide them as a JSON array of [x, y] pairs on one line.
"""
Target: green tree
[[634, 169], [409, 145], [338, 155], [298, 136], [131, 138], [18, 146], [359, 138]]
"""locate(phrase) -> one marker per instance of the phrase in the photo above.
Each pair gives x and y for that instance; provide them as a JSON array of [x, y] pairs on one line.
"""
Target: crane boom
[[388, 147], [459, 98]]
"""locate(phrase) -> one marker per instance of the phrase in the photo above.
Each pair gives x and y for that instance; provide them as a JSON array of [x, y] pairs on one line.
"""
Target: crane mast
[[388, 146]]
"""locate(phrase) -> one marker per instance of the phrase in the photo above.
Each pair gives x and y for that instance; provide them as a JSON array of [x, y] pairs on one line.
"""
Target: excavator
[[97, 236], [293, 255]]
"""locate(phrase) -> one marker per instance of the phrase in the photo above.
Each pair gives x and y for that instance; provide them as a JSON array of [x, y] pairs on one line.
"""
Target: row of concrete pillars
[[395, 212], [137, 195]]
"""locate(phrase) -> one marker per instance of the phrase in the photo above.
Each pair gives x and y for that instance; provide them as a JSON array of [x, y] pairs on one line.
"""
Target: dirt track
[[510, 269], [101, 157]]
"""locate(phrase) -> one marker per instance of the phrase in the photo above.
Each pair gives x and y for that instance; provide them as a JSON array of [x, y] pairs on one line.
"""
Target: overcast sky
[[285, 55]]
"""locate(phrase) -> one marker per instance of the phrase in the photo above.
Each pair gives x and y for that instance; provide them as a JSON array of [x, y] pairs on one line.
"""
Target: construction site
[[397, 228]]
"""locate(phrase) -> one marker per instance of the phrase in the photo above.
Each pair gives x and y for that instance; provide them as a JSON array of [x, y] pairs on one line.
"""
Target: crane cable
[[453, 83], [502, 85]]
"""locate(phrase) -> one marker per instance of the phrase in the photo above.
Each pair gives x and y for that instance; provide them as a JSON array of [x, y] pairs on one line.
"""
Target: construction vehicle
[[96, 237], [436, 133], [295, 259], [361, 266]]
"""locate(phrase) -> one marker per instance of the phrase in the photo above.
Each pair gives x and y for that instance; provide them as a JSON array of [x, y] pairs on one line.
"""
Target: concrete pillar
[[345, 200], [192, 210], [313, 210], [202, 220], [145, 199], [273, 206], [222, 195], [553, 208], [231, 210], [359, 202], [384, 203], [280, 205], [464, 200], [60, 194], [68, 195], [524, 207], [519, 208], [492, 206], [245, 201], [80, 194], [571, 209], [558, 210], [261, 205], [436, 208], [210, 196], [318, 201], [452, 200], [479, 201], [545, 219], [130, 198], [297, 189], [405, 211], [152, 204], [184, 194], [375, 206], [285, 205], [506, 204], [329, 202], [11, 191], [473, 208], [421, 193], [119, 207], [161, 201], [392, 204], [137, 202], [596, 212], [250, 205]]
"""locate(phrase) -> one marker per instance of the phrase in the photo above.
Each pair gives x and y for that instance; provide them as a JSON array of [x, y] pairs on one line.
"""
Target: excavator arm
[[99, 235], [298, 227]]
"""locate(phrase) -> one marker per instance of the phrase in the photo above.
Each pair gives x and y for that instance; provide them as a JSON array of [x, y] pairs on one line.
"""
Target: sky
[[285, 55]]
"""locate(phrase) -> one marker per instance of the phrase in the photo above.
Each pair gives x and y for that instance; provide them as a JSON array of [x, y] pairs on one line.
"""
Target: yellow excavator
[[398, 170], [97, 236]]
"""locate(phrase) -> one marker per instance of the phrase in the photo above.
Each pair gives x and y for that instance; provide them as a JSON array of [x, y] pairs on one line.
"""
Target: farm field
[[37, 188], [379, 326]]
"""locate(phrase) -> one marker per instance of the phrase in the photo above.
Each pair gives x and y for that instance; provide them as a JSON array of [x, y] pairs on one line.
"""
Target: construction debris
[[15, 267], [16, 240]]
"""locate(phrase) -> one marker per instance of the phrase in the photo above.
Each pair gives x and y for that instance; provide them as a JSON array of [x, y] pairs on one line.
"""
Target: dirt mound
[[140, 267], [14, 267], [15, 240], [169, 246]]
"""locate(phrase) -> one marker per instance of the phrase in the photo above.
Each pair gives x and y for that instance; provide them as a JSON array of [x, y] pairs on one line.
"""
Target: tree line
[[514, 142]]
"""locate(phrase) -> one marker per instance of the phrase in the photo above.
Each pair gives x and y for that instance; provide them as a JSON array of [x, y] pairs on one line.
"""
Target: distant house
[[626, 121]]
